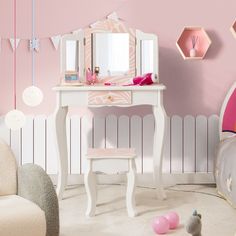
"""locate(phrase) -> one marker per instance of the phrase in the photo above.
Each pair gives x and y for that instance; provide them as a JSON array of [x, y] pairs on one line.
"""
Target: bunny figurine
[[194, 224]]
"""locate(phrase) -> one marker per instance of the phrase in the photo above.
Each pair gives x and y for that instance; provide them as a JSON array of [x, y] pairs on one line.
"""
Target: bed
[[225, 164]]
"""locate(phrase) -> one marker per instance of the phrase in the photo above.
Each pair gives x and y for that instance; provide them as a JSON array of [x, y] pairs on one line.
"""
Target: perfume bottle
[[96, 72], [89, 78]]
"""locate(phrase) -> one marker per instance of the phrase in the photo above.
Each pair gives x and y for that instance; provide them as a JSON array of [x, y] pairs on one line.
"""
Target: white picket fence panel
[[190, 142]]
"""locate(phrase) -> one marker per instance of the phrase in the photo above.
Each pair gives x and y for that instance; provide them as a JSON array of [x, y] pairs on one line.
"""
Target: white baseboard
[[146, 180]]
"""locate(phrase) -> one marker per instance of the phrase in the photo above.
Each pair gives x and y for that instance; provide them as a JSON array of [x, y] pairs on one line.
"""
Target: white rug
[[218, 217]]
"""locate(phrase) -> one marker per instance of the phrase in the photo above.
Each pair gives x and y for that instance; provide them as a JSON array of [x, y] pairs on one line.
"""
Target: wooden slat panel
[[99, 132], [28, 141], [166, 148], [189, 144], [111, 131], [86, 139], [113, 166], [4, 131], [99, 141], [176, 144], [148, 134], [124, 135], [51, 161], [123, 132], [75, 144], [201, 144], [38, 144], [16, 144], [213, 140], [40, 141], [136, 140], [68, 136]]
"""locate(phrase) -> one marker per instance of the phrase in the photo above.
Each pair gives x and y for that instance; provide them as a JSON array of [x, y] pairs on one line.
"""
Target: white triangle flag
[[12, 42], [56, 41], [113, 16]]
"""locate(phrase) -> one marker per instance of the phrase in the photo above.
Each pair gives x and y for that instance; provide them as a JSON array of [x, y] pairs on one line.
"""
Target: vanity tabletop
[[101, 87]]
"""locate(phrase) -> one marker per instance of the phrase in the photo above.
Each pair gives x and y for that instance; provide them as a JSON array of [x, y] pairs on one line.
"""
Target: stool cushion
[[111, 153], [8, 180], [19, 216]]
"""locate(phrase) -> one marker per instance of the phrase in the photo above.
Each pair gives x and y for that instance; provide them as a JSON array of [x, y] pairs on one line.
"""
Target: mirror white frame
[[79, 37], [140, 37]]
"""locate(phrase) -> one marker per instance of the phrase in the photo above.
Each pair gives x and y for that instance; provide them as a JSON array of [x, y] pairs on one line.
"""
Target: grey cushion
[[35, 185]]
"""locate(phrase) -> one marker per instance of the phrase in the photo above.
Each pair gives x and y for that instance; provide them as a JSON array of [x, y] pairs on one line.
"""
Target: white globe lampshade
[[15, 119], [32, 96]]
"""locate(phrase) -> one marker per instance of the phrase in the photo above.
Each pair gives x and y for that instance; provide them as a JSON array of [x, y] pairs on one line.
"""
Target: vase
[[192, 52]]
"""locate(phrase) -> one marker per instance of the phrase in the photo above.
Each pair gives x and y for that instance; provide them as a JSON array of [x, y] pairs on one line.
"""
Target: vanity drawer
[[109, 98]]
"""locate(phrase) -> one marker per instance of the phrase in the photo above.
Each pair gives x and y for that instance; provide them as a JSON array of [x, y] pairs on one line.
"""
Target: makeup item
[[94, 78], [109, 84], [97, 70], [89, 78], [71, 77], [146, 79]]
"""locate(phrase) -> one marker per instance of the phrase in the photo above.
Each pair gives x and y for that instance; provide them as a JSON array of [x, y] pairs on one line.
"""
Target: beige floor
[[218, 218]]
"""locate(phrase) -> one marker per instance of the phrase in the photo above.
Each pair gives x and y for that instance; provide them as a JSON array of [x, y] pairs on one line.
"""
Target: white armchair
[[28, 201]]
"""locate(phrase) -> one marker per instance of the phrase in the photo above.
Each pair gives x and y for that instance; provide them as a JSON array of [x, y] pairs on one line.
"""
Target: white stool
[[90, 177]]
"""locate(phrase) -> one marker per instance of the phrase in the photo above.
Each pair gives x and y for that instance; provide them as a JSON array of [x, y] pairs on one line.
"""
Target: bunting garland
[[34, 43]]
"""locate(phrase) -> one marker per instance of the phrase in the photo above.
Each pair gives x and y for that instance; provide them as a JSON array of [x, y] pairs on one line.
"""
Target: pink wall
[[194, 87]]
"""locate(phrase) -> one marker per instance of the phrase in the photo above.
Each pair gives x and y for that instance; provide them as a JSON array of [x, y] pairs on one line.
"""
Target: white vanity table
[[80, 96], [120, 53]]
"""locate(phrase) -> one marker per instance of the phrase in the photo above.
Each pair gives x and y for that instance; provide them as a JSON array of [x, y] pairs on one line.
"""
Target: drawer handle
[[110, 98]]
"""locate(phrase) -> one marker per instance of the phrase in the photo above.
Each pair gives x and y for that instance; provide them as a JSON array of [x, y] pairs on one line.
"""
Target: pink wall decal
[[193, 87]]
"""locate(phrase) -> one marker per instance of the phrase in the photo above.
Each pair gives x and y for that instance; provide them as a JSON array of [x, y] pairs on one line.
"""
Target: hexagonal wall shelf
[[185, 43], [233, 29]]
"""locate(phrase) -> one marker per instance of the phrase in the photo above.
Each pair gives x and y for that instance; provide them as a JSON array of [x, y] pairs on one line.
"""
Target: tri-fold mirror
[[117, 52]]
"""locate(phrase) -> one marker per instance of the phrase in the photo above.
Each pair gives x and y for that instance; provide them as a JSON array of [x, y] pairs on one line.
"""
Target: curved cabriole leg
[[61, 148], [91, 189], [160, 121], [131, 184]]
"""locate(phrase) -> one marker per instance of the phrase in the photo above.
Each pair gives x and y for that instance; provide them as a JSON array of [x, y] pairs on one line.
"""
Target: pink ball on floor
[[160, 225], [173, 219]]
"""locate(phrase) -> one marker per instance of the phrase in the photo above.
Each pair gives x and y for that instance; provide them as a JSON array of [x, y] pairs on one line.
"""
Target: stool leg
[[131, 184], [90, 186]]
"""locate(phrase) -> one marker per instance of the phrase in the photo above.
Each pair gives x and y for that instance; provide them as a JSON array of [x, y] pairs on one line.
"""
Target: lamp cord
[[33, 41], [14, 54]]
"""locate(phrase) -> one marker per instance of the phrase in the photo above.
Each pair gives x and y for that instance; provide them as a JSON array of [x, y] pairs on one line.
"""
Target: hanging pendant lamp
[[14, 119], [33, 96]]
